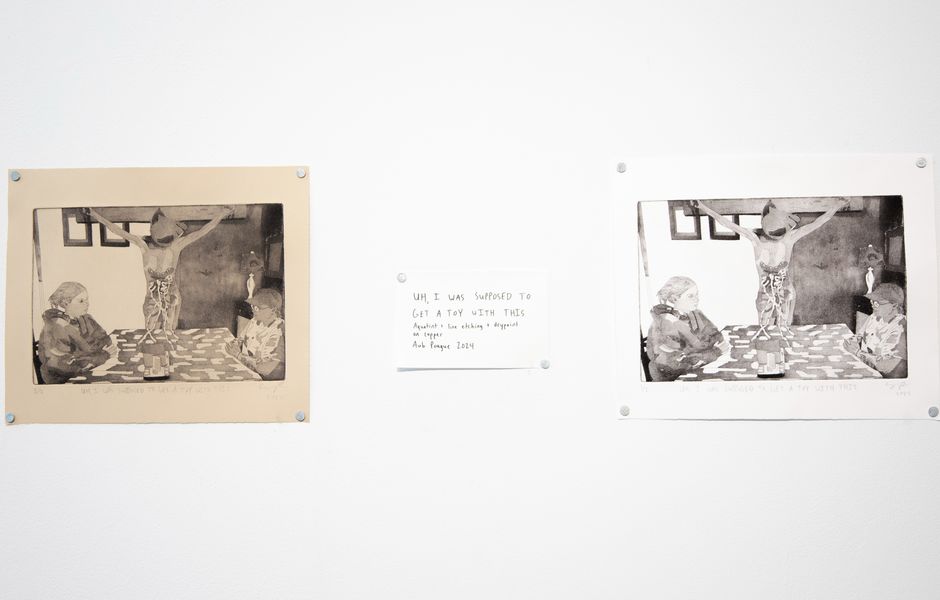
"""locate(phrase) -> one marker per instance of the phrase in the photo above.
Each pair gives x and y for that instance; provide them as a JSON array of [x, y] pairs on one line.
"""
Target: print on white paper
[[796, 288]]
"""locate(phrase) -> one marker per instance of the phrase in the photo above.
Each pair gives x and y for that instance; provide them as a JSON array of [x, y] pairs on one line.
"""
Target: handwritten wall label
[[471, 319]]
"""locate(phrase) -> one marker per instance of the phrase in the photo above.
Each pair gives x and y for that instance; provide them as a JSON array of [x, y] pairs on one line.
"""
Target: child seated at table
[[260, 347], [681, 338], [71, 342], [882, 342]]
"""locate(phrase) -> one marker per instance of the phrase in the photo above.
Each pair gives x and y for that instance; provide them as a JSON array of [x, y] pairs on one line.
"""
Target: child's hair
[[64, 294], [673, 288], [268, 297], [889, 293]]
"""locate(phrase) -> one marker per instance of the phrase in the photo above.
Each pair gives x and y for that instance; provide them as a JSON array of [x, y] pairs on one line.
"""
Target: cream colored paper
[[172, 401]]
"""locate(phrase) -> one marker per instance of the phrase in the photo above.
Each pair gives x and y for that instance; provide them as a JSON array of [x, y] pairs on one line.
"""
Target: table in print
[[197, 355], [814, 352]]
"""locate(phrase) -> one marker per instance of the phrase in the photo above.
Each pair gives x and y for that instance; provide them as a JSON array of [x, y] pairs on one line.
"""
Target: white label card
[[471, 319]]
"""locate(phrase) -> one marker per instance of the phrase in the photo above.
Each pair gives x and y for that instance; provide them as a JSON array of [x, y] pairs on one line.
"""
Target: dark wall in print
[[210, 271], [825, 265]]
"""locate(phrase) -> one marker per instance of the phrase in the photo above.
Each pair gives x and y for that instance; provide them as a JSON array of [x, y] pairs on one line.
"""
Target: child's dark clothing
[[678, 342], [70, 346]]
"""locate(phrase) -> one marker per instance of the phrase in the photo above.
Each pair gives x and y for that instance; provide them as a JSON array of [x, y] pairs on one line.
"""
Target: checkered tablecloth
[[199, 355], [815, 352]]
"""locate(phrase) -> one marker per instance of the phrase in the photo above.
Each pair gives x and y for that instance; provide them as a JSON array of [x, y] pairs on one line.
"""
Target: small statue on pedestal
[[870, 258], [254, 266]]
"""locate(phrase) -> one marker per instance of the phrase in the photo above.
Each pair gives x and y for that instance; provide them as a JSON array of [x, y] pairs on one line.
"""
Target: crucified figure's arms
[[118, 231], [744, 231], [805, 230], [188, 239]]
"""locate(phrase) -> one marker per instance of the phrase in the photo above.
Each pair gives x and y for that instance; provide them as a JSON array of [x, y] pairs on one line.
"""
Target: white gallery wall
[[452, 136]]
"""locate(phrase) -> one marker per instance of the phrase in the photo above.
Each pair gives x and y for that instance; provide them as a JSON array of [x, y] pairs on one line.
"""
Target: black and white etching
[[178, 293], [802, 288]]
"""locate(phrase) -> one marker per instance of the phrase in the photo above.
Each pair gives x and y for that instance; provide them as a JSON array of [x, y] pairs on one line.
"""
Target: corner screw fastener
[[301, 173], [624, 411], [621, 167], [402, 278], [300, 416], [15, 176], [10, 417], [921, 162]]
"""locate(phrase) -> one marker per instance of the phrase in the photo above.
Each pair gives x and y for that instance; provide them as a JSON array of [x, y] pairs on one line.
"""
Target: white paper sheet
[[808, 390], [471, 319]]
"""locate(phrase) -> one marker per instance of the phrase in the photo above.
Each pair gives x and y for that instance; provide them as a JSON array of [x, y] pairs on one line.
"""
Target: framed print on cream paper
[[166, 307], [812, 304]]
